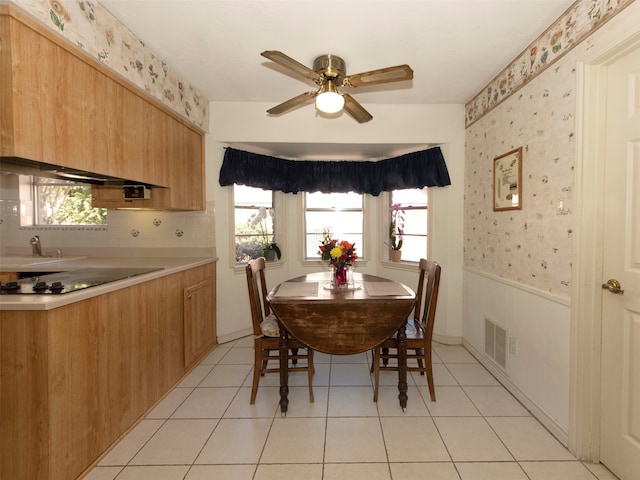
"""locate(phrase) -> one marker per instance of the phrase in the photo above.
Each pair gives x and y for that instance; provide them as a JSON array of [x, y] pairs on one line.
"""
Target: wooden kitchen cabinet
[[113, 197], [64, 108], [186, 189], [199, 327], [75, 378]]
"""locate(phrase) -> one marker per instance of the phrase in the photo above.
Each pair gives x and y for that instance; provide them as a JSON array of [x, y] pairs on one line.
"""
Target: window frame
[[30, 193], [360, 249], [388, 201], [276, 205]]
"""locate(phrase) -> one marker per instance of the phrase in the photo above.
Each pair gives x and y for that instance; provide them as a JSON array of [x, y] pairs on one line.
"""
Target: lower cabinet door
[[199, 320]]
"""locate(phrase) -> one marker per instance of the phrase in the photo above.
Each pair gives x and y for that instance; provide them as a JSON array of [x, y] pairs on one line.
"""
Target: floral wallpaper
[[92, 28], [531, 246], [576, 24]]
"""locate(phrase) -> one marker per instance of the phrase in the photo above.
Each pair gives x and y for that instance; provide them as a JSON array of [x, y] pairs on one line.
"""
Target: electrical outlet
[[513, 346]]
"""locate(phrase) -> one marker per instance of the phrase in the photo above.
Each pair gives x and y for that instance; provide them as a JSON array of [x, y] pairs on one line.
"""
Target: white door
[[620, 416]]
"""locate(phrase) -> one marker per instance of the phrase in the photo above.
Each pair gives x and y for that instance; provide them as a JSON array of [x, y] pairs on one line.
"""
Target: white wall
[[538, 370], [443, 125]]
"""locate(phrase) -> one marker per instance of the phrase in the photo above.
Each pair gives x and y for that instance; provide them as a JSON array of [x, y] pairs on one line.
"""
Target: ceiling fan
[[329, 73]]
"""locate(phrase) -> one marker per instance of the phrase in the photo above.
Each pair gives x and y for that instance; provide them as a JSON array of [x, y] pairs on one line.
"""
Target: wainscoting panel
[[537, 345]]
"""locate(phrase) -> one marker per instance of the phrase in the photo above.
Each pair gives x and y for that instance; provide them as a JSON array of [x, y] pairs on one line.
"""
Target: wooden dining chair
[[266, 333], [419, 331]]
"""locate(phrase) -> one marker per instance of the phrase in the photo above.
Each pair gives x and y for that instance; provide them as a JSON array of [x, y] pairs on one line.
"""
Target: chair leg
[[376, 372], [264, 364], [373, 354], [385, 359], [429, 369], [310, 372], [257, 370], [311, 366], [432, 390], [294, 352], [420, 354]]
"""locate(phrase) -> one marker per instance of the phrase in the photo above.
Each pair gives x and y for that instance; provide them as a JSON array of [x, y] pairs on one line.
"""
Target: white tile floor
[[206, 429]]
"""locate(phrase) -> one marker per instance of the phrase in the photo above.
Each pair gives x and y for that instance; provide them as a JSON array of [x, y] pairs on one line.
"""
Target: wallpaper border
[[92, 28], [574, 26]]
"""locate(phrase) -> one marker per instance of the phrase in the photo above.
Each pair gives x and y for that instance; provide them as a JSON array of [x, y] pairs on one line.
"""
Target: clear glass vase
[[341, 276]]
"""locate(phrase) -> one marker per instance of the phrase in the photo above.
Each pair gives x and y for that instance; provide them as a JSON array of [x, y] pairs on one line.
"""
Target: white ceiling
[[455, 47]]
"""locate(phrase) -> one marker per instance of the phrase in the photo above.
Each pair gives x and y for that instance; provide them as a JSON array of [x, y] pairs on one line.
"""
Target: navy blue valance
[[413, 170]]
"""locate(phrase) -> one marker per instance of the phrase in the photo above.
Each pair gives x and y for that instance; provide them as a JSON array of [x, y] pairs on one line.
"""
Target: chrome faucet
[[36, 248]]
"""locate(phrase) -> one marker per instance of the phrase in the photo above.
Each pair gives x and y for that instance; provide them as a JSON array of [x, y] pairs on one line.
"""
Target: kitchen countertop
[[169, 265]]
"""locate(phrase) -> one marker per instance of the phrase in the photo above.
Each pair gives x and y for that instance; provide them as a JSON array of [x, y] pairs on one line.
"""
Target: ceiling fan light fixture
[[329, 71], [329, 100]]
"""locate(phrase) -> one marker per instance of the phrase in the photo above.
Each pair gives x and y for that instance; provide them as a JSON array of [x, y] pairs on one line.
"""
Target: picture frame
[[507, 181]]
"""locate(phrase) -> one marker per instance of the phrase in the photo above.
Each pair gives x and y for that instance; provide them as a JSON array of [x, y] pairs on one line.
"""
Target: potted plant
[[270, 249], [396, 232]]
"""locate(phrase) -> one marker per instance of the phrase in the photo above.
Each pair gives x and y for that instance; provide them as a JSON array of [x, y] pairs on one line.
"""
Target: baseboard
[[548, 422], [235, 336], [447, 340]]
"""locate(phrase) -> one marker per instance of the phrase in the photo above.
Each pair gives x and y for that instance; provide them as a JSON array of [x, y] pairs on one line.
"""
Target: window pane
[[253, 220], [414, 248], [61, 202], [340, 213], [410, 197], [414, 202], [313, 242], [337, 201], [250, 196], [341, 224], [415, 222]]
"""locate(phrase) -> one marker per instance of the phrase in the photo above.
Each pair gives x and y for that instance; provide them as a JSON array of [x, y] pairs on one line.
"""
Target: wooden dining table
[[341, 321]]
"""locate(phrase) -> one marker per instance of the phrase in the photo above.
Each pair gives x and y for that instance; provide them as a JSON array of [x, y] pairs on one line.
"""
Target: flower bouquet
[[341, 254]]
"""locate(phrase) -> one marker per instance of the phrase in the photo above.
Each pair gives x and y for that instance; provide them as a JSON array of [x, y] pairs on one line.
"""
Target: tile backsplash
[[125, 230]]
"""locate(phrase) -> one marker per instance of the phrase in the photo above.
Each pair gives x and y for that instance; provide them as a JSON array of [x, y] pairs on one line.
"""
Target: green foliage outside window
[[254, 218], [249, 243], [66, 203]]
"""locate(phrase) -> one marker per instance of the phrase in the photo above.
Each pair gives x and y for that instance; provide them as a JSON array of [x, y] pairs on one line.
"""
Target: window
[[254, 221], [62, 202], [339, 213], [414, 202]]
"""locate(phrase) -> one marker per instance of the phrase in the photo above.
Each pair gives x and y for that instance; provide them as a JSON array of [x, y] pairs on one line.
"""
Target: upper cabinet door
[[65, 108]]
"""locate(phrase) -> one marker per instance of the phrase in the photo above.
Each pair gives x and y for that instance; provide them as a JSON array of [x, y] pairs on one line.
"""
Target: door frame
[[586, 290]]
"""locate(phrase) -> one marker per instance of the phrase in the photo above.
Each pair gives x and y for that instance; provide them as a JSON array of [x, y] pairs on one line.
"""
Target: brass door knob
[[613, 286]]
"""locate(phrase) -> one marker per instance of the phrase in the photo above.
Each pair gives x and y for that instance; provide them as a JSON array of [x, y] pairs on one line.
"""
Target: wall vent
[[496, 346]]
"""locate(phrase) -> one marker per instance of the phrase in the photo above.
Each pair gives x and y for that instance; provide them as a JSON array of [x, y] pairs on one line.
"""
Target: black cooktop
[[72, 281]]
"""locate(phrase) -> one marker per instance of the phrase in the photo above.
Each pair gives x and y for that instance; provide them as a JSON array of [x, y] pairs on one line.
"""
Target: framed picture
[[507, 181]]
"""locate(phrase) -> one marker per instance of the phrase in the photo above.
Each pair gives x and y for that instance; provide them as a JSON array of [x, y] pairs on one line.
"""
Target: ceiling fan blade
[[293, 65], [292, 103], [376, 77], [356, 110]]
